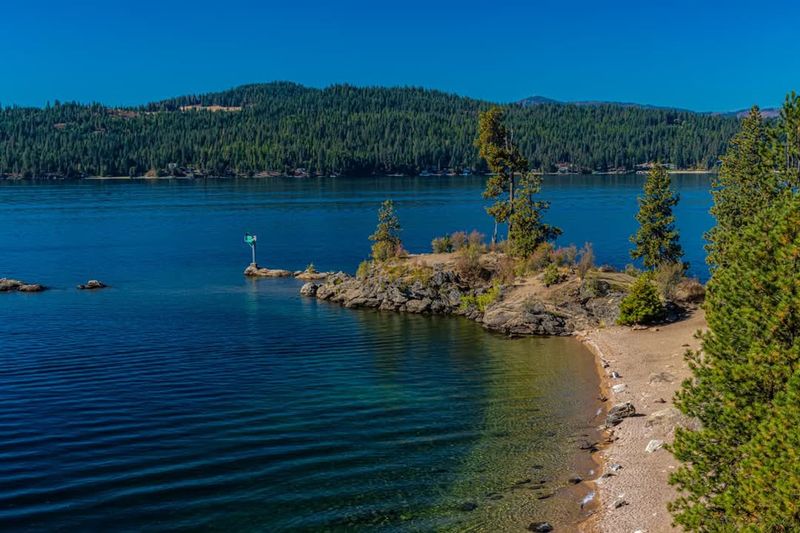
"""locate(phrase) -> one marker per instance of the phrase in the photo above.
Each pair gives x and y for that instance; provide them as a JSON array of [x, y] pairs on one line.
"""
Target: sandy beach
[[633, 491]]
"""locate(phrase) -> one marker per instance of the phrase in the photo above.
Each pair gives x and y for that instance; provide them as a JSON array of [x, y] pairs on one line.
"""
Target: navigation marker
[[251, 240]]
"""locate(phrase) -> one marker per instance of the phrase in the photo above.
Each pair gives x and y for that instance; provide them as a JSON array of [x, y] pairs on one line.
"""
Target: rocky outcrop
[[255, 271], [13, 285], [92, 284], [514, 309], [435, 292]]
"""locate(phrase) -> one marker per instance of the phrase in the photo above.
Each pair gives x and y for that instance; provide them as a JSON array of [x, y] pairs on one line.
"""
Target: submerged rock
[[92, 284], [254, 271], [14, 285], [540, 527]]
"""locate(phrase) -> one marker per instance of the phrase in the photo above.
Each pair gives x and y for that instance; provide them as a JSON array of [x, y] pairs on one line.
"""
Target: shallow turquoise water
[[186, 396]]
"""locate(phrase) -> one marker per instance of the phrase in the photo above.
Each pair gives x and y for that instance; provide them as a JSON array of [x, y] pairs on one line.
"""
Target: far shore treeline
[[287, 129]]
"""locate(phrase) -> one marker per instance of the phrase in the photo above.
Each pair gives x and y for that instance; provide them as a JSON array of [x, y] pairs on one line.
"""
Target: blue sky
[[696, 55]]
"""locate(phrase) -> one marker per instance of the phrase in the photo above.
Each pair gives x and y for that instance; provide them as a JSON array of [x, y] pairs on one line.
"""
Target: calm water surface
[[189, 397]]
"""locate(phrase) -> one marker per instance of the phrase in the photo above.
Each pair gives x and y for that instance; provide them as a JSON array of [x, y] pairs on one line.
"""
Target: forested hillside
[[282, 127]]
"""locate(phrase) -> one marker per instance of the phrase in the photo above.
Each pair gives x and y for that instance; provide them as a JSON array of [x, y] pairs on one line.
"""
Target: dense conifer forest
[[284, 127]]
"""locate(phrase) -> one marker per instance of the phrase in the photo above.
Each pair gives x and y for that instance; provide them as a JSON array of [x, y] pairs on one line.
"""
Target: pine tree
[[526, 218], [657, 241], [745, 186], [386, 238], [749, 354], [514, 203]]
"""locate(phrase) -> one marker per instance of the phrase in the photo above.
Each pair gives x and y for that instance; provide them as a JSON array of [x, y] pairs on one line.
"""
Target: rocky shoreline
[[430, 284]]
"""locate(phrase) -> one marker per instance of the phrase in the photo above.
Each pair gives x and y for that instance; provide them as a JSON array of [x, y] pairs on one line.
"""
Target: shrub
[[363, 269], [632, 271], [505, 269], [642, 304], [311, 269], [481, 301], [586, 262], [566, 256], [442, 245], [458, 240], [551, 275], [540, 258], [667, 277], [476, 239], [499, 247], [690, 291], [468, 263]]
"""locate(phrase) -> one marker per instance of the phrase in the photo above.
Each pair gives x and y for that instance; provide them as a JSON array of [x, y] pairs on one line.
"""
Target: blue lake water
[[186, 396]]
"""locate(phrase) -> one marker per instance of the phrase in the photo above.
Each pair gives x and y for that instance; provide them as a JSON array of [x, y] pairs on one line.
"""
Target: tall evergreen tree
[[740, 468], [740, 385], [745, 186], [386, 239], [514, 204], [504, 160], [526, 218], [657, 241]]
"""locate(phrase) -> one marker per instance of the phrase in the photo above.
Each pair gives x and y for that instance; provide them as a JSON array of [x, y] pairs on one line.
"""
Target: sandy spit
[[651, 367]]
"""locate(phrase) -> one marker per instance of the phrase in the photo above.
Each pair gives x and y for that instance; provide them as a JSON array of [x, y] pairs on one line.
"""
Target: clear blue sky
[[693, 54]]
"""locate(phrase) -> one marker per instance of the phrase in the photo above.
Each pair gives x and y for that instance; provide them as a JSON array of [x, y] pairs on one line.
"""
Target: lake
[[186, 396]]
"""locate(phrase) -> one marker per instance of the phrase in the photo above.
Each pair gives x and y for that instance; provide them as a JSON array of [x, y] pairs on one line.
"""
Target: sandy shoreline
[[651, 367]]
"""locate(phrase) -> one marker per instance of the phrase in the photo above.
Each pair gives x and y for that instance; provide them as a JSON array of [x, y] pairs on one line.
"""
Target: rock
[[311, 276], [615, 374], [418, 306], [92, 284], [654, 445], [619, 387], [255, 271], [615, 467], [540, 527], [309, 289], [620, 411], [14, 285], [468, 506], [575, 480]]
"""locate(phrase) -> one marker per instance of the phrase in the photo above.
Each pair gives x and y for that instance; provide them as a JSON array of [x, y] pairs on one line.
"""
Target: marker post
[[251, 240]]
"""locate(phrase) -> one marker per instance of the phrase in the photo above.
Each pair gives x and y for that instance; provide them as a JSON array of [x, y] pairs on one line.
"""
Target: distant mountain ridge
[[531, 101]]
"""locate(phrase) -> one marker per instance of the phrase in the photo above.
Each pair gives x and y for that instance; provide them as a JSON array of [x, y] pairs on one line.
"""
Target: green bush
[[551, 275], [642, 305], [442, 245], [311, 269], [363, 269], [482, 301]]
